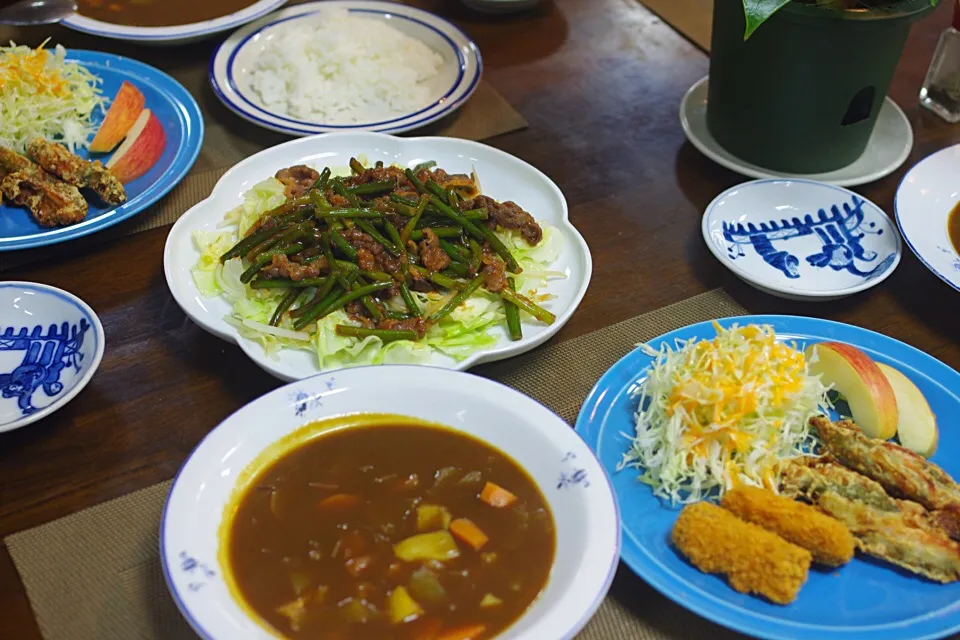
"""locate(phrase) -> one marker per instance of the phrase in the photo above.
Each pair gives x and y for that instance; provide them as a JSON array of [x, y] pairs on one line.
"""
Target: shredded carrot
[[469, 533], [340, 502], [472, 632], [497, 496]]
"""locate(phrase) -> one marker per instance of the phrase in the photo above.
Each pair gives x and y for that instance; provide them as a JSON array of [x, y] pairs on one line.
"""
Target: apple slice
[[120, 118], [855, 375], [917, 426], [141, 150]]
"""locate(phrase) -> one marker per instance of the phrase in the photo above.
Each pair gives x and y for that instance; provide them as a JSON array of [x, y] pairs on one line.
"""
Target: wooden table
[[599, 82]]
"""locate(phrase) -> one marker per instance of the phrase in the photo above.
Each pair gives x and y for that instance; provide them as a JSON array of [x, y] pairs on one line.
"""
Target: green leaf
[[758, 11]]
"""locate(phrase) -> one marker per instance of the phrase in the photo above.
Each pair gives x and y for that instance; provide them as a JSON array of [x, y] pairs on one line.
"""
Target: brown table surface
[[600, 82]]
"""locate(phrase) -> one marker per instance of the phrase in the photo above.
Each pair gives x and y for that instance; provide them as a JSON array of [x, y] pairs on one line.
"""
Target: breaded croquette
[[830, 542], [76, 171], [753, 559]]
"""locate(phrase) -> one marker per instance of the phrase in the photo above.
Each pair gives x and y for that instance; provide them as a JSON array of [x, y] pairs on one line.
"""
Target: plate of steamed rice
[[346, 65]]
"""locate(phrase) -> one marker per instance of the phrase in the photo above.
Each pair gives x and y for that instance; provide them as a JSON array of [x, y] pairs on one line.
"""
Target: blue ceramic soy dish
[[51, 342], [801, 239]]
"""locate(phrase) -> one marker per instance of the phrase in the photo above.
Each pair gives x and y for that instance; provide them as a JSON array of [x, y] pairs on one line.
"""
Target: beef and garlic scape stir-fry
[[390, 253]]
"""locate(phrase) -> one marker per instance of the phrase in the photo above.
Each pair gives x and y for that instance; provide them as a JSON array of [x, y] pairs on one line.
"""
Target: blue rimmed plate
[[455, 82], [182, 122], [801, 239], [864, 600], [175, 34]]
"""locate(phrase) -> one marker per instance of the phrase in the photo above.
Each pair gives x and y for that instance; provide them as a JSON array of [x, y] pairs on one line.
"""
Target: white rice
[[343, 69]]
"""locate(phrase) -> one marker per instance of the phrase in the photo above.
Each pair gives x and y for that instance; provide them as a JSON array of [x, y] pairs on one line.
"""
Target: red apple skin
[[874, 378], [120, 118], [141, 150]]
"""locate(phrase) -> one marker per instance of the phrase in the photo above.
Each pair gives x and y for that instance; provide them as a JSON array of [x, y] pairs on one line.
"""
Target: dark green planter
[[802, 94]]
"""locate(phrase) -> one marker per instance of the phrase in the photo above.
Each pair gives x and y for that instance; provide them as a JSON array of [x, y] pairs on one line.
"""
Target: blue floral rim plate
[[51, 343], [801, 239], [457, 78], [182, 122], [864, 600]]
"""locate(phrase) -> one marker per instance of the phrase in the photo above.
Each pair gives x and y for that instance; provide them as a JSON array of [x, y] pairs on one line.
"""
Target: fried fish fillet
[[76, 171], [52, 203], [753, 559], [829, 540], [897, 531], [903, 473]]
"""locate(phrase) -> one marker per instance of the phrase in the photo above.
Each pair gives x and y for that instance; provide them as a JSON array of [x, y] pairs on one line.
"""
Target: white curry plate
[[800, 239], [577, 490], [925, 198], [455, 82], [503, 177]]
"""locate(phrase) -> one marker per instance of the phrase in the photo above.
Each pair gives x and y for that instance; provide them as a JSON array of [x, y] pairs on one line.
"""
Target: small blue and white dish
[[801, 239], [51, 343]]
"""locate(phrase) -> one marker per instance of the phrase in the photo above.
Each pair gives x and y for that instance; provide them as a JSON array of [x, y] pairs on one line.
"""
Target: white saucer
[[889, 145], [801, 240]]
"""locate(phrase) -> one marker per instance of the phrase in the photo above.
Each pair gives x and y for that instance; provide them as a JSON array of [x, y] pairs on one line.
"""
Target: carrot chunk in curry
[[386, 531]]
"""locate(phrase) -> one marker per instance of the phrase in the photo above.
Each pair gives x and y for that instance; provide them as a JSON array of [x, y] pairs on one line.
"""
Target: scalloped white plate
[[504, 177]]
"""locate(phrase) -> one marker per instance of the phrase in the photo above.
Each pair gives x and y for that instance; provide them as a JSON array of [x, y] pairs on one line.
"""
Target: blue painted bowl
[[51, 342], [801, 239]]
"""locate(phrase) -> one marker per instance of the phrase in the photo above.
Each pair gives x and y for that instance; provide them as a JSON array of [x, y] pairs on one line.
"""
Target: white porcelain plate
[[569, 476], [454, 83], [888, 147], [177, 34], [801, 239], [51, 343], [925, 198], [502, 176]]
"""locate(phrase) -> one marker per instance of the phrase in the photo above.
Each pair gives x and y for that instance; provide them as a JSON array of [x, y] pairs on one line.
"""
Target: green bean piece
[[264, 258], [342, 245], [394, 235], [512, 313], [409, 300], [476, 214], [322, 292], [529, 306], [246, 243], [457, 300], [284, 283], [347, 267], [476, 255], [319, 202], [377, 276], [395, 197], [455, 252], [341, 189], [452, 197], [441, 232], [445, 281], [373, 188], [429, 164], [356, 167], [372, 308], [327, 251], [318, 309], [480, 233], [283, 306], [348, 213], [403, 210], [396, 315], [376, 235], [436, 190], [419, 186], [266, 245], [349, 296], [387, 335], [285, 236], [457, 269], [412, 222], [324, 181]]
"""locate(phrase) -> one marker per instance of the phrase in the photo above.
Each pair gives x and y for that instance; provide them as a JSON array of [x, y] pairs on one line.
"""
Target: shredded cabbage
[[44, 96], [464, 331], [716, 413]]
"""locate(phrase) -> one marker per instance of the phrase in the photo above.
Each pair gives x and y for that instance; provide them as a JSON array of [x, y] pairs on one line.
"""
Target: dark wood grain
[[600, 82]]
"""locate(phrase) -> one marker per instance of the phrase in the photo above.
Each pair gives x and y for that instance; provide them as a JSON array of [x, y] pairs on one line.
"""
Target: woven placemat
[[89, 579], [692, 18]]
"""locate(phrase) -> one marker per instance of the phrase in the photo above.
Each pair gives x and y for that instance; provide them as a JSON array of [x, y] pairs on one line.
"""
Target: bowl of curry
[[165, 21], [390, 502]]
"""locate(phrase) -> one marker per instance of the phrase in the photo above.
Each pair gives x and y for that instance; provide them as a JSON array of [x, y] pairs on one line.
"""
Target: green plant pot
[[802, 94]]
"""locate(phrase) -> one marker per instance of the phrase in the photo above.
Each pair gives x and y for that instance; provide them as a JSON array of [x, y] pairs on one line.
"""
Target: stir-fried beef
[[366, 260], [431, 255], [409, 324], [283, 267], [297, 179], [494, 271], [360, 240], [508, 215]]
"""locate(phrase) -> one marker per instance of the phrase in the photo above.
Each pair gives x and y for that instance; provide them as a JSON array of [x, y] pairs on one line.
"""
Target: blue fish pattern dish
[[51, 342], [801, 239]]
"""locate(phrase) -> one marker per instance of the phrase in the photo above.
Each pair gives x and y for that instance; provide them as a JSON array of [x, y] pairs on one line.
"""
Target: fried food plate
[[865, 599], [502, 176], [182, 122]]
